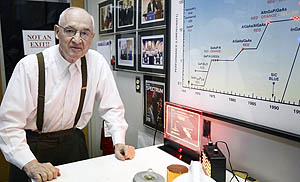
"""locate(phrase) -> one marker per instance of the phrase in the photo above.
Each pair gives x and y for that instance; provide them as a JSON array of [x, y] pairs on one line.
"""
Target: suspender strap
[[41, 91], [83, 89]]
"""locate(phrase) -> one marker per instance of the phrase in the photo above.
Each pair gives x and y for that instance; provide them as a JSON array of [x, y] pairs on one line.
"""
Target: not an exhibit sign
[[37, 40]]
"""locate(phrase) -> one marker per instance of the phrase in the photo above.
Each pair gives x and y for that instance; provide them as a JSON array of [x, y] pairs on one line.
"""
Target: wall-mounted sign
[[35, 41]]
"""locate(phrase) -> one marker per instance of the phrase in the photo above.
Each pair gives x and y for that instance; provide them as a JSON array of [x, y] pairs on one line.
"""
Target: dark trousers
[[57, 148]]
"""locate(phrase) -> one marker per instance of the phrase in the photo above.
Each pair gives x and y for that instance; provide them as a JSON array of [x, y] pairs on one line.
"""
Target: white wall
[[266, 157]]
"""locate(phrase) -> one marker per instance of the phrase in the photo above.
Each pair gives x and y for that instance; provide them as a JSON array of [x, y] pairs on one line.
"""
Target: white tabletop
[[110, 169]]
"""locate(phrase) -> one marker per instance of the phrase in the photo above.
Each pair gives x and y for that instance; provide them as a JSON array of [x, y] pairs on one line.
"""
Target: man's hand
[[124, 152], [41, 171]]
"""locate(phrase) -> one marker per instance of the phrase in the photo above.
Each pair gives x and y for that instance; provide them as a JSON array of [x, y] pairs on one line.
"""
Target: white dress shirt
[[62, 94]]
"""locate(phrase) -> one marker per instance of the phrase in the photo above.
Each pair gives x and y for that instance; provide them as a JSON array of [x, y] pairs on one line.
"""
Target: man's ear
[[56, 30]]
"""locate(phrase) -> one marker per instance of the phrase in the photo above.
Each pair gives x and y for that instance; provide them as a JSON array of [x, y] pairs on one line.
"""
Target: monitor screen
[[183, 125], [231, 60]]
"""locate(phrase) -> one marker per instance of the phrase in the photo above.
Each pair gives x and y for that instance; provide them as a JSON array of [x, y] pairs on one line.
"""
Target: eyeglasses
[[71, 32]]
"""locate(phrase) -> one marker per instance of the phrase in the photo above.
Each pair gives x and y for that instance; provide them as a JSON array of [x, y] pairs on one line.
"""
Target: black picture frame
[[125, 15], [106, 20], [151, 18], [152, 51], [154, 99], [125, 51]]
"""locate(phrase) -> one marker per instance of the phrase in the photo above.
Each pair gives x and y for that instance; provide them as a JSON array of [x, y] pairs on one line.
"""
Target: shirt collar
[[64, 64]]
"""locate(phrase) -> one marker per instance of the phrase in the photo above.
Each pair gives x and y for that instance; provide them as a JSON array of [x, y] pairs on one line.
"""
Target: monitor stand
[[179, 151]]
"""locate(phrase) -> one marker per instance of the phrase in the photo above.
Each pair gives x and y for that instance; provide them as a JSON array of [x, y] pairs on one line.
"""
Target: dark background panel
[[18, 15]]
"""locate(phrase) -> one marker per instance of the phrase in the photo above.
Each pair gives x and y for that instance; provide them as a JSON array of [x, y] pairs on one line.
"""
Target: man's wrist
[[28, 164]]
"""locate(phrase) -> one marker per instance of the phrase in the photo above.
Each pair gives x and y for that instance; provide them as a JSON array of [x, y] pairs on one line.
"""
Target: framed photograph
[[154, 99], [125, 49], [126, 14], [106, 17], [152, 13], [152, 51]]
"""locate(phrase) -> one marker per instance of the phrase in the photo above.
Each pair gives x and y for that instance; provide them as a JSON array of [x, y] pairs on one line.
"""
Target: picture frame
[[106, 17], [125, 15], [154, 99], [152, 51], [125, 51], [152, 13]]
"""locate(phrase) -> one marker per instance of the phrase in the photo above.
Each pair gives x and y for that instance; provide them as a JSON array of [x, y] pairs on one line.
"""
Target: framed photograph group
[[154, 99], [152, 13], [126, 14], [125, 50], [137, 49], [106, 17], [152, 51]]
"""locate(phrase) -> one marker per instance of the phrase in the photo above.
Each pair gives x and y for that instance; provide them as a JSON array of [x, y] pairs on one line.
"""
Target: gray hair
[[62, 15]]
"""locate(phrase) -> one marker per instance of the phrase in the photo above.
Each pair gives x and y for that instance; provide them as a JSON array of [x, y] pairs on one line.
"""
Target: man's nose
[[76, 37]]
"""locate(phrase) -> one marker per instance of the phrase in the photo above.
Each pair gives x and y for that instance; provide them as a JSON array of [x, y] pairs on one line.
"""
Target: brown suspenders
[[41, 91], [83, 89]]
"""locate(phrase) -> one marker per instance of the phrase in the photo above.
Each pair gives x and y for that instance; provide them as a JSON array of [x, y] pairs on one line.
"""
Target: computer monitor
[[183, 132]]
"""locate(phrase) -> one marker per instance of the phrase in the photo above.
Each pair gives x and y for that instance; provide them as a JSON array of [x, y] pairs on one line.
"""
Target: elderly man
[[50, 98]]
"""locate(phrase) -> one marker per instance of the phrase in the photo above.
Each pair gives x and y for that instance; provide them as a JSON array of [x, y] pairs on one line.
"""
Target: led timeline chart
[[238, 59]]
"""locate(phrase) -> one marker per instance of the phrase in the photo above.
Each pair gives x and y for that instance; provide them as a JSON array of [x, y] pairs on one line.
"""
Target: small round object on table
[[148, 176], [175, 170]]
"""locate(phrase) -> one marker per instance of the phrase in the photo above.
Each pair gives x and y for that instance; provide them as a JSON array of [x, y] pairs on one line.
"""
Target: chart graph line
[[206, 72], [261, 37], [286, 85]]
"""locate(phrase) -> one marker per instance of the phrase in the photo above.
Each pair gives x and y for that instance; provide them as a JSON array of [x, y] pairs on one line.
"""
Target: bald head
[[76, 11], [75, 33]]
